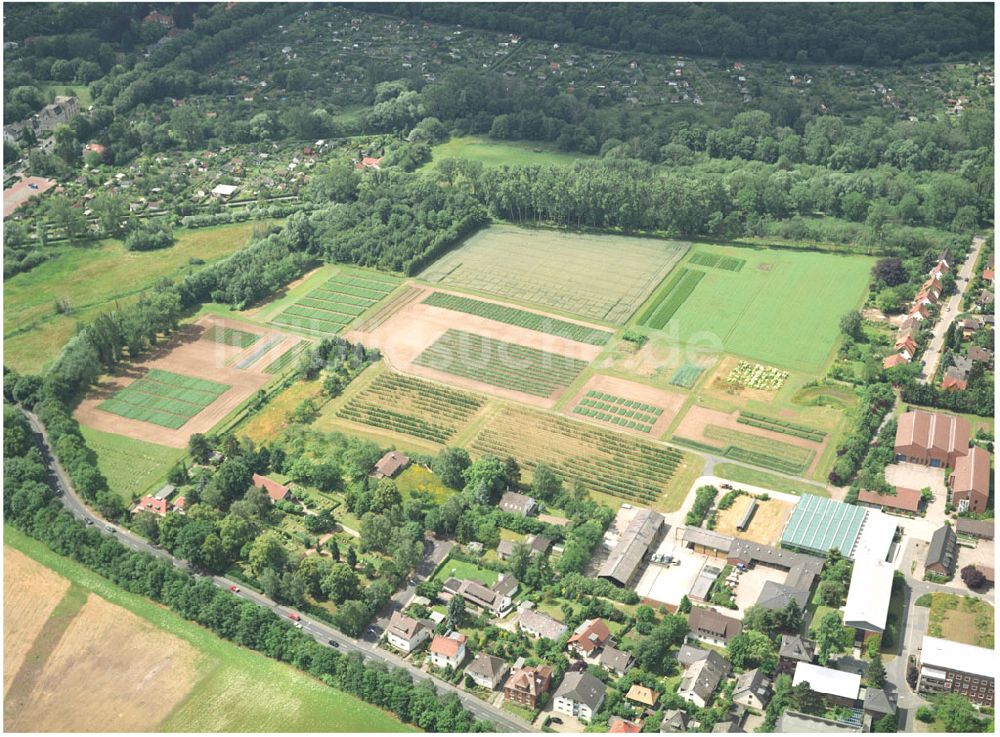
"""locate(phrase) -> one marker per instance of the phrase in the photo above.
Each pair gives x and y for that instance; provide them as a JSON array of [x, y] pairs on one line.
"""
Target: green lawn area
[[460, 569], [961, 619], [52, 89], [237, 690], [131, 466], [418, 478], [91, 277], [744, 475], [498, 153], [748, 311]]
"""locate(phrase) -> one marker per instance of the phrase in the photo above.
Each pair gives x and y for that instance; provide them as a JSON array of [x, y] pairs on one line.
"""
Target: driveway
[[435, 551], [949, 311]]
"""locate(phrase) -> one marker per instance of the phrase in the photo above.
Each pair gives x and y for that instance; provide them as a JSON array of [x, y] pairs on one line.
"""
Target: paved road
[[949, 311], [324, 634]]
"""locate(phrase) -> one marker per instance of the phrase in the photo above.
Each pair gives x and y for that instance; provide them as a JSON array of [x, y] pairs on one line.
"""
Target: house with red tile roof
[[589, 637], [617, 725], [448, 652], [970, 482], [277, 492], [931, 439], [906, 501], [152, 504], [896, 359], [368, 162], [954, 379], [919, 312]]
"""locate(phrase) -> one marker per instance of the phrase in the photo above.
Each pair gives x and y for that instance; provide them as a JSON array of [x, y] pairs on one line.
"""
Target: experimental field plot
[[626, 413], [328, 308], [601, 277], [499, 363], [230, 336], [412, 406], [164, 398], [606, 461], [520, 318]]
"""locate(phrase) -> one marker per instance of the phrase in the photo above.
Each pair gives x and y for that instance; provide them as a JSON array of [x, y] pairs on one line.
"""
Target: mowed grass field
[[215, 687], [781, 307], [569, 272], [131, 466], [500, 153], [90, 278]]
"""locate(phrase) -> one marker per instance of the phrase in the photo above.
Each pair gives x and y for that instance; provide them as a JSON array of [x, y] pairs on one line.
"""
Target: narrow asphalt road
[[324, 634]]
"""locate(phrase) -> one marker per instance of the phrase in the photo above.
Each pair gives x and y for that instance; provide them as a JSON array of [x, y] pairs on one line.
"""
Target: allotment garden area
[[565, 271], [328, 308]]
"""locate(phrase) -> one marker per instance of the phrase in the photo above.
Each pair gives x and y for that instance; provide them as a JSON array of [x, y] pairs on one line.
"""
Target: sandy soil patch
[[110, 671], [189, 354], [30, 593], [698, 419], [669, 402], [765, 526], [411, 330]]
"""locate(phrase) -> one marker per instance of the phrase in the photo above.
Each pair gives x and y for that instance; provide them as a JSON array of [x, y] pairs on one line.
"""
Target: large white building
[[947, 666]]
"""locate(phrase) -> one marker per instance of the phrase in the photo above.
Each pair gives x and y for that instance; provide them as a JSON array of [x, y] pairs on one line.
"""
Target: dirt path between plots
[[669, 402], [189, 354], [698, 418], [412, 329]]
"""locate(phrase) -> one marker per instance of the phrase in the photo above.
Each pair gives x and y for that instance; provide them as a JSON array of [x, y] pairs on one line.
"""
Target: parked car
[[333, 643]]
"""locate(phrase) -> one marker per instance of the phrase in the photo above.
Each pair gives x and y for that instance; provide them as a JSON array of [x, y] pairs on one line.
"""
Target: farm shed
[[707, 542], [641, 536], [904, 501], [931, 439], [747, 516], [942, 551], [982, 528]]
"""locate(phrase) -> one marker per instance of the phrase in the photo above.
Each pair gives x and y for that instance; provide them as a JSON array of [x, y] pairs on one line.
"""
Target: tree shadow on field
[[184, 335]]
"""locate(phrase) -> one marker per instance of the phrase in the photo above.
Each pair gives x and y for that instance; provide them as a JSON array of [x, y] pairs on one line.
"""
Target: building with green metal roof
[[818, 524]]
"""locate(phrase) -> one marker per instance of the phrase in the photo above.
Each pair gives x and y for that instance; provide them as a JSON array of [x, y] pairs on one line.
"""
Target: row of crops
[[680, 287], [686, 375], [230, 336], [601, 460], [736, 453], [285, 359], [163, 398], [499, 363], [715, 261], [627, 413], [781, 426], [335, 303], [412, 406], [520, 318]]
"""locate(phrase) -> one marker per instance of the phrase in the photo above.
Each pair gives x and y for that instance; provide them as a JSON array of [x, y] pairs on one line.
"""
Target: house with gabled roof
[[753, 689], [448, 652], [589, 637], [970, 482], [579, 695], [277, 492], [615, 661], [406, 633], [702, 678], [711, 626], [390, 465], [931, 438], [487, 671]]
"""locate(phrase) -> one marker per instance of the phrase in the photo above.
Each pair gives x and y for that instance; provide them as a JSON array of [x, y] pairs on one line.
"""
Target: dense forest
[[869, 33]]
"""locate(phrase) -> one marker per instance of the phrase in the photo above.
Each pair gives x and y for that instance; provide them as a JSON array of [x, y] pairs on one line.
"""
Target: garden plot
[[605, 399], [186, 385], [330, 307], [721, 432], [766, 524], [230, 336], [600, 277]]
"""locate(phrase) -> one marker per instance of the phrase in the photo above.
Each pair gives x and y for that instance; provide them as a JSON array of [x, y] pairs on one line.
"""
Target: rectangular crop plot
[[251, 359], [686, 375], [285, 359], [715, 261], [626, 413], [412, 406], [520, 318], [163, 398], [499, 363], [605, 461], [328, 308], [602, 277], [679, 288], [230, 336]]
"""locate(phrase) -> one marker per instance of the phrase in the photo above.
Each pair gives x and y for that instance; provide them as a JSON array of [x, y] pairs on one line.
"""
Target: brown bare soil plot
[[669, 402], [412, 329], [110, 671], [30, 593], [765, 526], [187, 353]]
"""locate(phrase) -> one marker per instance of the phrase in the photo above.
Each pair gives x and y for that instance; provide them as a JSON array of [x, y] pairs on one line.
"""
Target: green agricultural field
[[90, 278], [753, 477], [230, 336], [287, 358], [237, 690], [131, 466], [163, 398], [521, 318], [618, 411], [782, 307], [498, 363], [335, 303], [500, 153], [565, 271]]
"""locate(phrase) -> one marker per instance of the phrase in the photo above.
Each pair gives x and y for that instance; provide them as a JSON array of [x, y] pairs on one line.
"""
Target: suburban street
[[949, 311], [323, 633]]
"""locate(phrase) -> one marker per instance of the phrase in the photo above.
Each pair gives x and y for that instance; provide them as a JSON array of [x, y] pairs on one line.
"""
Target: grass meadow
[[90, 278], [781, 307], [131, 466], [500, 153], [236, 690]]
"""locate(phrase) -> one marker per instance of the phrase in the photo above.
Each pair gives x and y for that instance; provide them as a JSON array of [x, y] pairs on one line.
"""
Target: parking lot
[[752, 581], [668, 583]]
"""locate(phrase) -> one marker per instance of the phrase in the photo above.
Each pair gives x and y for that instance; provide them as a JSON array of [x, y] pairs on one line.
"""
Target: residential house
[[978, 354], [702, 678], [516, 503], [505, 549], [642, 534], [940, 269], [277, 492], [904, 501], [896, 359], [689, 654], [639, 694], [152, 504], [674, 720], [539, 544], [526, 685], [589, 637], [617, 725], [406, 633], [536, 624], [615, 661], [495, 599], [159, 18], [487, 671], [878, 703], [837, 687], [954, 380], [906, 344], [753, 690], [970, 326], [794, 650], [580, 695], [711, 626], [225, 191], [448, 652], [391, 464], [942, 551], [931, 439], [970, 482], [947, 666], [926, 297], [919, 312], [982, 528], [368, 162]]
